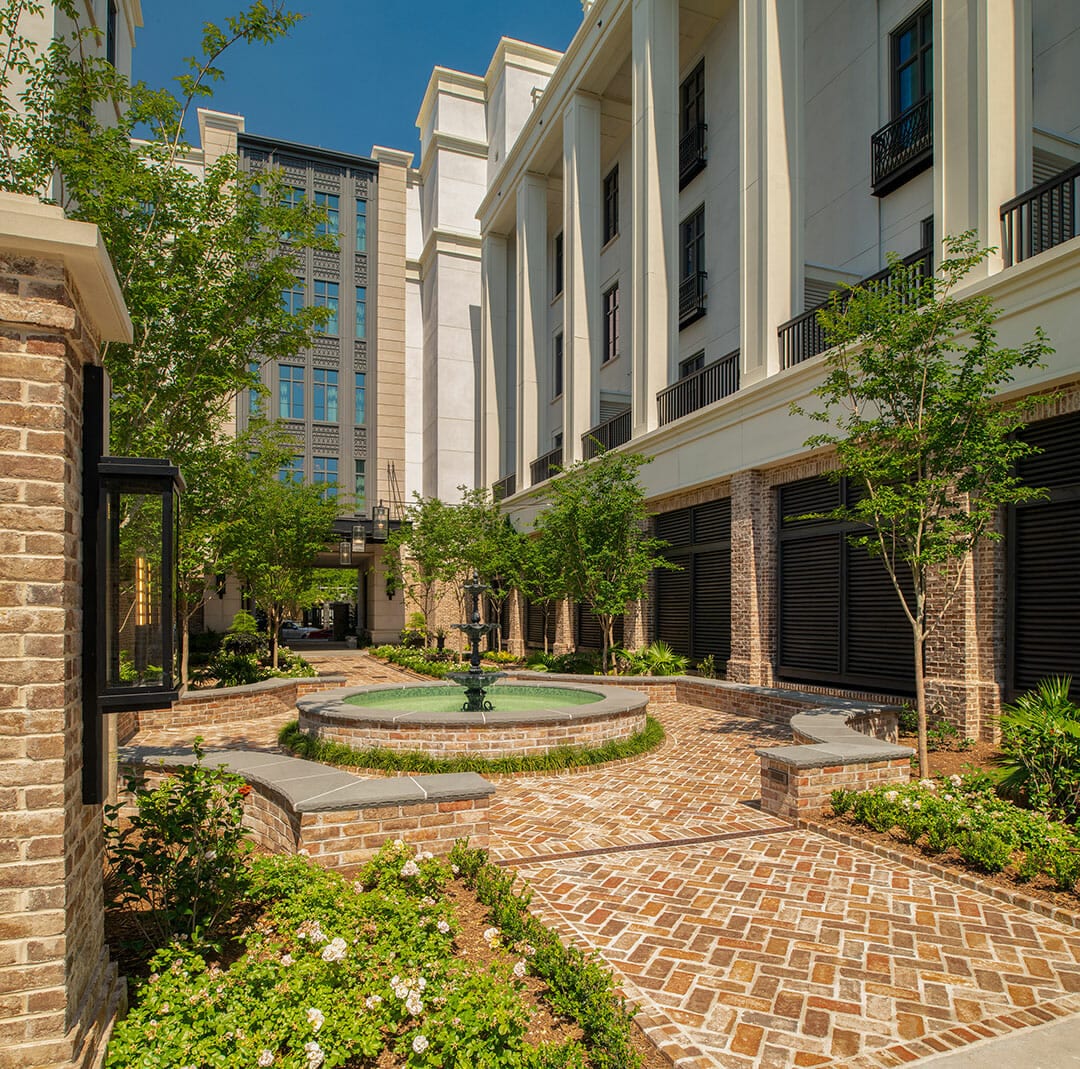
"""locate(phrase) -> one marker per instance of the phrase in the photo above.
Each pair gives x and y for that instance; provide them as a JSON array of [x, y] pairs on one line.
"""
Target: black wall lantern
[[130, 649]]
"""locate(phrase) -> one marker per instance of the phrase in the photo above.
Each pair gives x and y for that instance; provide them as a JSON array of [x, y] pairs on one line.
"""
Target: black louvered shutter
[[810, 605], [672, 607], [878, 639], [711, 605]]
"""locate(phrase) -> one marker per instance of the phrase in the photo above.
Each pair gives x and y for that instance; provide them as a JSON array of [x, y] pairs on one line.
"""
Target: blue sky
[[352, 74]]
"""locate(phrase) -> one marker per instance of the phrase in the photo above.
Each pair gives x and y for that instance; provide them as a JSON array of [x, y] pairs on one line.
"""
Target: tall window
[[324, 472], [292, 299], [913, 61], [110, 31], [360, 398], [361, 486], [326, 296], [692, 244], [292, 470], [324, 395], [290, 392], [254, 400], [361, 312], [611, 205], [557, 265], [692, 100], [361, 226], [557, 364], [611, 324], [332, 223]]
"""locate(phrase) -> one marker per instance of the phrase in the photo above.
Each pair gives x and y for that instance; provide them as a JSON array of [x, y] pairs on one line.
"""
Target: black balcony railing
[[713, 381], [692, 298], [1041, 218], [607, 435], [542, 468], [692, 158], [505, 487], [804, 337], [903, 148]]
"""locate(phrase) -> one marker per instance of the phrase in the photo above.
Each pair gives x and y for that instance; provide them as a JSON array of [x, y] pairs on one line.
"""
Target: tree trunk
[[920, 703], [185, 635], [607, 629], [273, 620]]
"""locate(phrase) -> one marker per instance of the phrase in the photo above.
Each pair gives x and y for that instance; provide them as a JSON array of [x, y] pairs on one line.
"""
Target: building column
[[515, 638], [492, 433], [532, 303], [654, 253], [582, 213], [635, 625], [982, 117], [753, 579], [770, 158], [565, 639]]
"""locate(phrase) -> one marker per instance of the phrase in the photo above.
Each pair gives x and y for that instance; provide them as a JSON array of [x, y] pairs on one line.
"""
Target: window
[[557, 266], [292, 299], [361, 312], [912, 61], [692, 244], [326, 296], [611, 325], [110, 31], [611, 205], [361, 486], [292, 471], [557, 365], [692, 100], [360, 377], [329, 203], [292, 197], [290, 392], [254, 400], [361, 226], [324, 395], [691, 364], [324, 472]]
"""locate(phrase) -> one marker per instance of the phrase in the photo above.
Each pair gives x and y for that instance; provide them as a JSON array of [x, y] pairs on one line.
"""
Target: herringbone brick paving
[[778, 947]]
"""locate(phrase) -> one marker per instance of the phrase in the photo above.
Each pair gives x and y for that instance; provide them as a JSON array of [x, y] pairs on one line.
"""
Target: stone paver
[[763, 946]]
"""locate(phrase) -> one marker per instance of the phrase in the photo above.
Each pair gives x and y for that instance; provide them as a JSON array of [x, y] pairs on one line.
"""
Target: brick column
[[635, 624], [515, 639], [58, 299], [565, 639], [753, 580]]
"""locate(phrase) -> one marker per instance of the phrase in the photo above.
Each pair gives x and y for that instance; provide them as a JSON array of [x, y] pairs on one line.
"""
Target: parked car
[[291, 631]]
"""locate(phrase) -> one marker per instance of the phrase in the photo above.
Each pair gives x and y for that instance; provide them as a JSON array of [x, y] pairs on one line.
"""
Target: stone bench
[[337, 818], [828, 754]]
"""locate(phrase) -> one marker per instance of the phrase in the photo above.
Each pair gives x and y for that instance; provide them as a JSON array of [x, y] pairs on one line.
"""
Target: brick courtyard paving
[[758, 945], [748, 944]]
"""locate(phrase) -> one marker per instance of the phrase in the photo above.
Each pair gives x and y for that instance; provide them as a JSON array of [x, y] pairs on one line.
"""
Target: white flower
[[358, 887], [424, 855], [891, 796], [315, 1018], [443, 927], [491, 934], [956, 780], [421, 983], [372, 1001], [410, 868], [427, 900], [519, 970], [210, 855], [399, 844], [313, 1053], [528, 950], [455, 870], [929, 784], [413, 1004], [286, 959], [336, 951], [303, 852], [419, 1044], [266, 1058]]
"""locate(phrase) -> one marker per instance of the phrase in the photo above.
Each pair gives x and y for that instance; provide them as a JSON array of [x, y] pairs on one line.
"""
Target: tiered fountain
[[475, 681]]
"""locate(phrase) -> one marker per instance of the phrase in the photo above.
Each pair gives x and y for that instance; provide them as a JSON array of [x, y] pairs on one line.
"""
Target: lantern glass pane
[[136, 596]]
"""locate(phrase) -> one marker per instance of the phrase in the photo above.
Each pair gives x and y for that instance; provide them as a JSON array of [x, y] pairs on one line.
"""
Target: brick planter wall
[[226, 705], [793, 792]]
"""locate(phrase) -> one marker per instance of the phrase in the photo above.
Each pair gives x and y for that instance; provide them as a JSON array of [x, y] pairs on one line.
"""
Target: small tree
[[911, 389], [272, 548], [595, 533], [537, 575], [424, 554]]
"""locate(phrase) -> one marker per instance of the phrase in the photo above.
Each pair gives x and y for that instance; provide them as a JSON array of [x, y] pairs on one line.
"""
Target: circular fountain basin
[[532, 718]]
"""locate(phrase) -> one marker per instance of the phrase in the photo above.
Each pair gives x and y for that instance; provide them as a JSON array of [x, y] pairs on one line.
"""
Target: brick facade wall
[[58, 989]]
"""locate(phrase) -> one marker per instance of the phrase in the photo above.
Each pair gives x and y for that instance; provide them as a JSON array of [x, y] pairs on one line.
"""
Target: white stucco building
[[658, 212]]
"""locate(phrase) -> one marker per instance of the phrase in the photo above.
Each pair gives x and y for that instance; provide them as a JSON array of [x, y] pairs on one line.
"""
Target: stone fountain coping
[[331, 705], [310, 787]]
